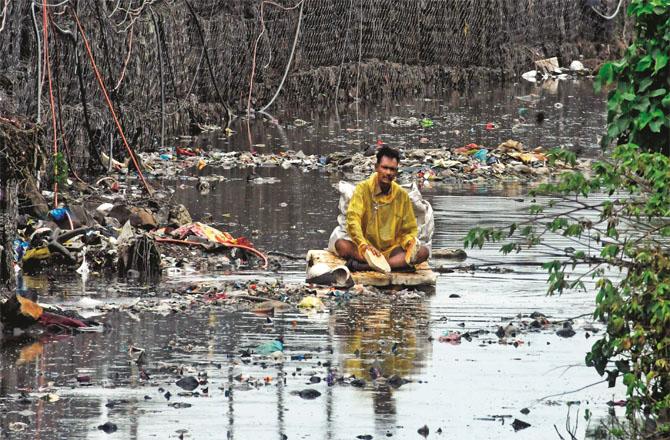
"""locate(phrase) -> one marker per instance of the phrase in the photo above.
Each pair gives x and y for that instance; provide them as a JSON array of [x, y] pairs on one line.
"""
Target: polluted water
[[485, 354]]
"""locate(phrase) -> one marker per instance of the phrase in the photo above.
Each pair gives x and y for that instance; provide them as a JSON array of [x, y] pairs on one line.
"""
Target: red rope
[[239, 246], [109, 104], [45, 32]]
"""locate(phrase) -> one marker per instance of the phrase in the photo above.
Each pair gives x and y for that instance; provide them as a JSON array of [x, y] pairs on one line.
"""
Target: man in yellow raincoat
[[380, 218]]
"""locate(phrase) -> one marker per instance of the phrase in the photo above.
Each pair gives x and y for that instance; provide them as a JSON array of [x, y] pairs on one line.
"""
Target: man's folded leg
[[347, 250], [399, 258]]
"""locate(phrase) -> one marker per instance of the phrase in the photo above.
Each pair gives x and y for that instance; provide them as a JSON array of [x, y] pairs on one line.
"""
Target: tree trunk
[[8, 214]]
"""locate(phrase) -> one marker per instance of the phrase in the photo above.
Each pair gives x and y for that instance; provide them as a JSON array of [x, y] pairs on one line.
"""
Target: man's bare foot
[[356, 266]]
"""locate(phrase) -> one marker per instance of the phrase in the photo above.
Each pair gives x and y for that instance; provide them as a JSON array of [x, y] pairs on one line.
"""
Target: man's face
[[387, 170]]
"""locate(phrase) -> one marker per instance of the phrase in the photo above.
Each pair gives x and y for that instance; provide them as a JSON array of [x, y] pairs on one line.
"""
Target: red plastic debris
[[184, 152], [453, 338]]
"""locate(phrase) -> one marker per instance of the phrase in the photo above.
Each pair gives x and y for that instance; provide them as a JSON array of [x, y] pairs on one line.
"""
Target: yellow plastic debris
[[29, 308], [527, 157], [310, 302], [36, 254], [510, 145]]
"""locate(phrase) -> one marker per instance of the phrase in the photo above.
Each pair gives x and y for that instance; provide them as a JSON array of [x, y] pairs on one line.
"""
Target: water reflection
[[573, 117], [383, 339], [294, 215], [379, 340]]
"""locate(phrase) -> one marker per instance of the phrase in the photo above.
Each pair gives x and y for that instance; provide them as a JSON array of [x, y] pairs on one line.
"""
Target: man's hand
[[372, 249]]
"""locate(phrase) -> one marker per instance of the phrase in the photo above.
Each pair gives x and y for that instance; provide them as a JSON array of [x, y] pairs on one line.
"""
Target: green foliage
[[638, 106], [567, 156], [621, 242], [61, 169], [622, 235]]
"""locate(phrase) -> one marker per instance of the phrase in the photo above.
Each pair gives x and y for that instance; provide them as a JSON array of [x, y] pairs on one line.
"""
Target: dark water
[[573, 118], [472, 390]]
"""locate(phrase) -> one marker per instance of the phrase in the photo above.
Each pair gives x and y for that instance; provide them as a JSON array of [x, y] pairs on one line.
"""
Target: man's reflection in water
[[383, 338]]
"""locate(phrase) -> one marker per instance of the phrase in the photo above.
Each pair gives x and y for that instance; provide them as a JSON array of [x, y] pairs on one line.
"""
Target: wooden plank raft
[[423, 276]]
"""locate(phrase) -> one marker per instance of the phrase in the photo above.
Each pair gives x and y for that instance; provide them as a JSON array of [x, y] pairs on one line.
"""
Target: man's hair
[[388, 152]]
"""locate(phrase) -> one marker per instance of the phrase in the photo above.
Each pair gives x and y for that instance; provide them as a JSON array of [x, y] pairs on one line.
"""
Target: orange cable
[[109, 104], [45, 31]]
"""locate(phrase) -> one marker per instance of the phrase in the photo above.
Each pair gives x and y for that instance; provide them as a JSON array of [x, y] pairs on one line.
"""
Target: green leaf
[[661, 60], [642, 105], [657, 92], [643, 64], [643, 120], [655, 125], [609, 251], [644, 84], [606, 73], [665, 102], [573, 230]]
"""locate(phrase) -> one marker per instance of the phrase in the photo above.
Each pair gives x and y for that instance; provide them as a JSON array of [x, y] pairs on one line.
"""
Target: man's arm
[[408, 228], [354, 219]]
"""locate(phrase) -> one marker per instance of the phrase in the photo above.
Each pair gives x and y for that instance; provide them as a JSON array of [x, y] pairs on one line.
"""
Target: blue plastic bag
[[20, 247], [270, 347], [481, 155], [59, 214]]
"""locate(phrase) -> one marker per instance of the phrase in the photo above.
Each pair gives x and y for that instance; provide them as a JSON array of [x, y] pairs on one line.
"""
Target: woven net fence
[[167, 64]]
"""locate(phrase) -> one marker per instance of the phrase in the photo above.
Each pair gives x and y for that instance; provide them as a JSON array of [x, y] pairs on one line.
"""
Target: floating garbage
[[19, 312], [323, 274], [426, 123], [358, 163], [307, 394], [270, 347], [531, 75], [480, 155], [311, 302], [453, 338], [188, 383]]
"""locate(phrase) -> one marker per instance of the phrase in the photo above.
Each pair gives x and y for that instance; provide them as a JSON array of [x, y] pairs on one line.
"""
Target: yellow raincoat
[[383, 221]]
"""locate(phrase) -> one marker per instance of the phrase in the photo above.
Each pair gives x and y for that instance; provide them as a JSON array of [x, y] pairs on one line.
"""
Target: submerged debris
[[518, 425], [108, 427], [307, 394], [188, 383]]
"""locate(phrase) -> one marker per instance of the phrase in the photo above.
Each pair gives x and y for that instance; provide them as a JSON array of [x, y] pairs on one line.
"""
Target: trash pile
[[267, 297], [89, 234], [550, 68], [509, 160]]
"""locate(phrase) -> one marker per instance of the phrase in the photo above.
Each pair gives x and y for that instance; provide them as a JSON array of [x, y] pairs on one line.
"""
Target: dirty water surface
[[366, 367]]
